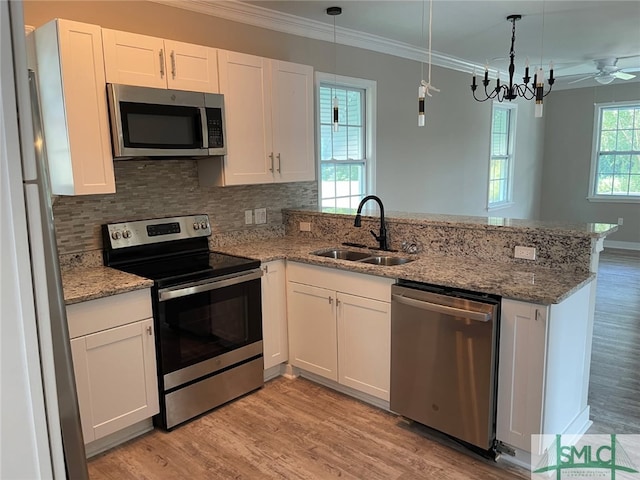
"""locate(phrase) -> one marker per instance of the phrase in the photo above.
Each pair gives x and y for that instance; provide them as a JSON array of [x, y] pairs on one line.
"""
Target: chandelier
[[509, 92]]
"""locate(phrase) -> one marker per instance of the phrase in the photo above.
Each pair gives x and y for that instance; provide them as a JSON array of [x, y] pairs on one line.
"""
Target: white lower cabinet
[[275, 341], [543, 359], [340, 326], [113, 350]]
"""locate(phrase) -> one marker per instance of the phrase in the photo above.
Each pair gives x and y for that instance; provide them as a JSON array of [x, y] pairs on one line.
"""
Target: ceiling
[[572, 34]]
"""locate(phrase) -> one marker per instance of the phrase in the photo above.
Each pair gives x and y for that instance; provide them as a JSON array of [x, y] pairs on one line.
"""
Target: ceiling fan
[[608, 71]]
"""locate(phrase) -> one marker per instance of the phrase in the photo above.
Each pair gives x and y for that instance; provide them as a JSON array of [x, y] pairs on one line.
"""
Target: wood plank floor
[[295, 429], [614, 388]]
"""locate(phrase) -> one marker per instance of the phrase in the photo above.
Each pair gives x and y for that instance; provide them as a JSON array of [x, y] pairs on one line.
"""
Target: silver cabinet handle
[[271, 157], [278, 157], [338, 302], [266, 269], [330, 300], [173, 64], [432, 307], [149, 331], [161, 63], [206, 285]]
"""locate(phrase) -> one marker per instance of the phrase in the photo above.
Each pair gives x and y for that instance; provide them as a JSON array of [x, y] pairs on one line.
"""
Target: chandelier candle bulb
[[539, 92]]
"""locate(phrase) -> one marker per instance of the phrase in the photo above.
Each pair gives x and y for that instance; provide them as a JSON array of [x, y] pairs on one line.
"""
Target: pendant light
[[425, 87], [334, 12]]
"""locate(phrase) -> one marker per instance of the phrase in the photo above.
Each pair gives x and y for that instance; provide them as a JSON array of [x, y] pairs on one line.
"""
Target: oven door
[[207, 326]]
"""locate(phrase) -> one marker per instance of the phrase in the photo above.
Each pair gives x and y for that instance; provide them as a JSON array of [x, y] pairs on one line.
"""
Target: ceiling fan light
[[605, 79]]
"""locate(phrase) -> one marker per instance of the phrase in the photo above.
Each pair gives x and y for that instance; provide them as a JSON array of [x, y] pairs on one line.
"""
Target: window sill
[[613, 199], [500, 206]]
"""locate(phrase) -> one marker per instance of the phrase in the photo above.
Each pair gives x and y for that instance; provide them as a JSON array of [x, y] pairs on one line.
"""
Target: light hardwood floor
[[614, 387], [295, 429]]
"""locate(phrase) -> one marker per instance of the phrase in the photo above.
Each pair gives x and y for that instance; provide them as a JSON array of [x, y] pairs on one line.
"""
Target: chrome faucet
[[382, 237]]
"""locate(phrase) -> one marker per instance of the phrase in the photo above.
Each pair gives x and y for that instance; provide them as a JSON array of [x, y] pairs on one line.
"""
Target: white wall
[[442, 168]]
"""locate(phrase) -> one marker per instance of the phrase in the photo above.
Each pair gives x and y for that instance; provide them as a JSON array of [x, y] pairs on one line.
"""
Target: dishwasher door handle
[[434, 307]]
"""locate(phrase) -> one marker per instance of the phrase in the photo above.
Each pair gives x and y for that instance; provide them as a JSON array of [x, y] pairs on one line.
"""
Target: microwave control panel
[[214, 128]]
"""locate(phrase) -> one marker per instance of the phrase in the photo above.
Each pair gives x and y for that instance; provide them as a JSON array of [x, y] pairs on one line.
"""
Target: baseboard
[[106, 443], [275, 371], [622, 245]]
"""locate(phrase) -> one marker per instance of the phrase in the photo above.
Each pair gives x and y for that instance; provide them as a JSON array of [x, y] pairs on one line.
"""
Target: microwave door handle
[[205, 130]]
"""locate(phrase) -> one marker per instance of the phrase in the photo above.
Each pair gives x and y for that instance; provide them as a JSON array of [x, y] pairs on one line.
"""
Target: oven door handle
[[211, 284]]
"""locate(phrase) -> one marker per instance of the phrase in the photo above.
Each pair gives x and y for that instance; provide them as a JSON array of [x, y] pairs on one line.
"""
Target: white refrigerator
[[40, 432]]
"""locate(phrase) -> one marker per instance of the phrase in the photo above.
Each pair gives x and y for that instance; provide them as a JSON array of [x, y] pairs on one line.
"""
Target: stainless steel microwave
[[154, 122]]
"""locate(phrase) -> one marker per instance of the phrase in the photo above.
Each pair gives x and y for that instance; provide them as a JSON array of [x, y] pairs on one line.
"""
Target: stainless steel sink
[[341, 254], [386, 260], [362, 257]]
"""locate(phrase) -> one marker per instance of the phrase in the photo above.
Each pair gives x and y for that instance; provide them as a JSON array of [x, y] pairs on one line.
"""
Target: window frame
[[592, 196], [369, 130], [511, 145]]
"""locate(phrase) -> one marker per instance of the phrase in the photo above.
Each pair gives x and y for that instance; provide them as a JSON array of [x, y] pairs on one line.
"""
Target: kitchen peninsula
[[547, 303]]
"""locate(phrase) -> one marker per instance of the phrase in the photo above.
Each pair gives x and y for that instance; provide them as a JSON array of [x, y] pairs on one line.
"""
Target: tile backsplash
[[164, 188]]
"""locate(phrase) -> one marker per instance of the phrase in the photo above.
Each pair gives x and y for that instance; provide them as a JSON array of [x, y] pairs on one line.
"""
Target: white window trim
[[591, 195], [513, 119], [370, 89]]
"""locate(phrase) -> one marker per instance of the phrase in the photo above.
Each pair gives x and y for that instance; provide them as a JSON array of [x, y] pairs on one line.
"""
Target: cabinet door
[[73, 100], [246, 85], [521, 372], [191, 67], [364, 344], [115, 378], [292, 102], [312, 329], [133, 59], [274, 314]]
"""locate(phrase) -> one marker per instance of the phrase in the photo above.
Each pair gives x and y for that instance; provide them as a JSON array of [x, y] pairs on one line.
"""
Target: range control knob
[[115, 235], [203, 225], [196, 226], [126, 234]]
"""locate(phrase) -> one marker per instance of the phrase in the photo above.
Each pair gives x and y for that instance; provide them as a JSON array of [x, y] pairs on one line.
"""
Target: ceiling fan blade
[[581, 79], [623, 75]]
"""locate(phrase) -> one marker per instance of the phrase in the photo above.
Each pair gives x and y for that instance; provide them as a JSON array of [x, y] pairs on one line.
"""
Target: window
[[501, 161], [346, 166], [615, 165]]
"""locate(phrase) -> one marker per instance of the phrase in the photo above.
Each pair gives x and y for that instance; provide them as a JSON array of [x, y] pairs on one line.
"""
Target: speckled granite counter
[[527, 283], [90, 282]]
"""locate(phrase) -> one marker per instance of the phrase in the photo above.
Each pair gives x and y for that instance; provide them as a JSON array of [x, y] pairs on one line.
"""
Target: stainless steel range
[[206, 308]]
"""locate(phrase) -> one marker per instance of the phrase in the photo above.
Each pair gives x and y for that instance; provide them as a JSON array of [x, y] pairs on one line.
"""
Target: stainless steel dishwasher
[[443, 360]]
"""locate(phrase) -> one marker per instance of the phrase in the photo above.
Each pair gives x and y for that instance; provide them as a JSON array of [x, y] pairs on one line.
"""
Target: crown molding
[[237, 11]]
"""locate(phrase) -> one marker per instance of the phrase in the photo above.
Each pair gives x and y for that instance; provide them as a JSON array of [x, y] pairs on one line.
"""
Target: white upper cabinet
[[141, 60], [292, 113], [269, 114], [245, 83], [73, 101]]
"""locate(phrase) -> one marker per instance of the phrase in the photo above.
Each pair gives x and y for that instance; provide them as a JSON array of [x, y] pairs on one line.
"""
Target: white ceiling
[[572, 34]]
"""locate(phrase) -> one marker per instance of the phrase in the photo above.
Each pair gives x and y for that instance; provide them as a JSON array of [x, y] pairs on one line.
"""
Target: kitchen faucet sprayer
[[382, 237]]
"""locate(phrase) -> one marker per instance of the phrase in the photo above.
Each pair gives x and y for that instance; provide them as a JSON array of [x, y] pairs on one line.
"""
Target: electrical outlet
[[261, 215], [620, 221], [248, 217], [305, 226], [527, 253]]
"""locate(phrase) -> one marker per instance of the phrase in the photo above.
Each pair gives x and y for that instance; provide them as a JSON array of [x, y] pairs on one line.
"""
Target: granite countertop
[[593, 230], [82, 283], [527, 283]]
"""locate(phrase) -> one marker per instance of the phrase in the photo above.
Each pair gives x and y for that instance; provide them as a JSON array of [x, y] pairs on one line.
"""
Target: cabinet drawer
[[108, 312], [359, 284]]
